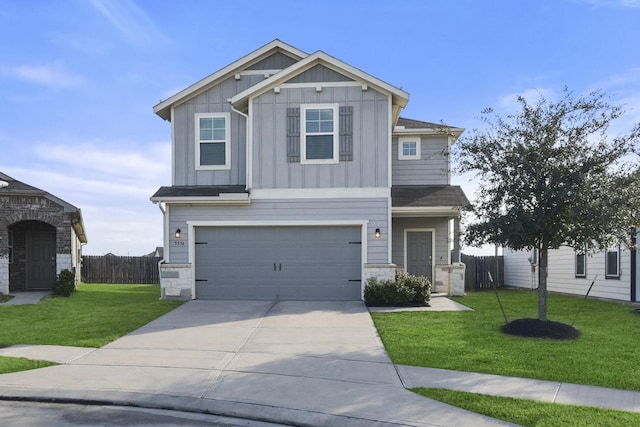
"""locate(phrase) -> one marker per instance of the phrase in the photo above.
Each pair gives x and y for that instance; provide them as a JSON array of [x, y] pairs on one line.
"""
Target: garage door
[[289, 263]]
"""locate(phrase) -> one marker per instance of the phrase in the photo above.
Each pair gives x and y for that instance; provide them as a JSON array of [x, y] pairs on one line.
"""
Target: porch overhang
[[202, 195], [428, 201], [426, 212]]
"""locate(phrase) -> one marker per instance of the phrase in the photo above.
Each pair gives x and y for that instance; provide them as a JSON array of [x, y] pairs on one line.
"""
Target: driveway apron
[[296, 362]]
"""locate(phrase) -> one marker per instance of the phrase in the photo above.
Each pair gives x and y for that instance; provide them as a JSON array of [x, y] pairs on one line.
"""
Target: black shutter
[[293, 134], [346, 133]]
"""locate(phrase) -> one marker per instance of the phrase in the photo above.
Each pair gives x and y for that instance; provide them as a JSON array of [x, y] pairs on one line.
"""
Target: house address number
[[178, 243]]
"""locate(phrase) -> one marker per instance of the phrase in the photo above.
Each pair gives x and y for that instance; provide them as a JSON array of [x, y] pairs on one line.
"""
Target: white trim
[[400, 97], [279, 223], [259, 72], [165, 241], [334, 133], [397, 131], [222, 199], [173, 148], [227, 140], [321, 85], [244, 62], [409, 139], [433, 248], [249, 152], [427, 211], [606, 263], [320, 193]]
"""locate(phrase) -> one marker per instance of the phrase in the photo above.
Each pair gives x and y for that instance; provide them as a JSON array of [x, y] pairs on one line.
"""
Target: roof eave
[[241, 100], [163, 109], [222, 199], [426, 211]]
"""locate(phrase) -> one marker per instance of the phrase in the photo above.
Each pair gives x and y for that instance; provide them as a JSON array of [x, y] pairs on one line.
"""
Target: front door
[[41, 259], [419, 253]]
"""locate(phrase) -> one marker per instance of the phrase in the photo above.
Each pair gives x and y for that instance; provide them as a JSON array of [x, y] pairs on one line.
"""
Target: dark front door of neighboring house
[[419, 253], [41, 259]]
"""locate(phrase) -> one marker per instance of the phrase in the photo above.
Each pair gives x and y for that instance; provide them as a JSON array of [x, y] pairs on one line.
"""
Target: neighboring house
[[157, 253], [614, 272], [294, 177], [40, 235]]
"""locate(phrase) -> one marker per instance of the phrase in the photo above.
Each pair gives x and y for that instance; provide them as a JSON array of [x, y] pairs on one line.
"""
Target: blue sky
[[79, 78]]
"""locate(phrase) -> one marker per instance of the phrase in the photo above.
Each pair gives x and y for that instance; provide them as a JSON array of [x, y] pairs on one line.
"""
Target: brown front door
[[41, 259]]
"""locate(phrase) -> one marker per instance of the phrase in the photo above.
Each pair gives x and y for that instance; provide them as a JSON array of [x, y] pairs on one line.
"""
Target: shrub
[[406, 290], [420, 284], [65, 284]]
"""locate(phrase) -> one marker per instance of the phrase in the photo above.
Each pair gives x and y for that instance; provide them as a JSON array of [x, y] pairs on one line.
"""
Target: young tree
[[552, 175]]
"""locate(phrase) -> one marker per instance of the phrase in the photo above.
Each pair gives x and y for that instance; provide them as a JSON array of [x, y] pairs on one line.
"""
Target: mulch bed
[[535, 328]]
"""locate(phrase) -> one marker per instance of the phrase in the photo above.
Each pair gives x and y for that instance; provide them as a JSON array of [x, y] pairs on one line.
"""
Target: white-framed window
[[409, 148], [213, 145], [612, 263], [10, 238], [581, 263], [319, 130]]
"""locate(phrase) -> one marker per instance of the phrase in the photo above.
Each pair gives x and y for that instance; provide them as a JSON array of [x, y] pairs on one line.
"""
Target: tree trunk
[[542, 282]]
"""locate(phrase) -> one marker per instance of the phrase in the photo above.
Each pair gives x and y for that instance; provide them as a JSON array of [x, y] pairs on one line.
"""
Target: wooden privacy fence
[[477, 271], [120, 269]]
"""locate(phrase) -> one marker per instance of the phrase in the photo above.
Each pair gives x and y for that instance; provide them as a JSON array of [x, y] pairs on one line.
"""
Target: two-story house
[[294, 177]]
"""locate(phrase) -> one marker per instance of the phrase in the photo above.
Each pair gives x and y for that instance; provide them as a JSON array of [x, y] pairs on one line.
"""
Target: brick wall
[[24, 213]]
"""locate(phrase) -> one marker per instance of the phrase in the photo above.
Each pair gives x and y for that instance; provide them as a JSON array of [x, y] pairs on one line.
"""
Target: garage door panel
[[310, 263]]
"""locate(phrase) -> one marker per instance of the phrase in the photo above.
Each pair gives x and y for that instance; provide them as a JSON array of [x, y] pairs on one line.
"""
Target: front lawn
[[532, 414], [605, 354], [93, 316]]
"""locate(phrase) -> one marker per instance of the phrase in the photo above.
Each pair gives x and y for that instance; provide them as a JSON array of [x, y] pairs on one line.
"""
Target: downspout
[[247, 153], [164, 243]]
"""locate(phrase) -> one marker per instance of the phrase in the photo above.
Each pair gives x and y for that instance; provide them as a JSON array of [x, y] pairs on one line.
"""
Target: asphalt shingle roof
[[428, 196]]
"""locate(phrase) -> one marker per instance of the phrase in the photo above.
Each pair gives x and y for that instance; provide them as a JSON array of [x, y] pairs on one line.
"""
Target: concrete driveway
[[292, 362]]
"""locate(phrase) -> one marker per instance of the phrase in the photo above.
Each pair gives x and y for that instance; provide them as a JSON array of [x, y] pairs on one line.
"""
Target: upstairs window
[[612, 263], [319, 142], [581, 263], [212, 141], [409, 148]]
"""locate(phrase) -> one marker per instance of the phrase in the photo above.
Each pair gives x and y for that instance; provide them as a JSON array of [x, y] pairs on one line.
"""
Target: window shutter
[[346, 133], [293, 134]]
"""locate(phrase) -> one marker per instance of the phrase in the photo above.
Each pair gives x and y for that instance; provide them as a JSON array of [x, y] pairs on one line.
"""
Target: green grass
[[93, 316], [532, 414], [5, 298], [605, 354]]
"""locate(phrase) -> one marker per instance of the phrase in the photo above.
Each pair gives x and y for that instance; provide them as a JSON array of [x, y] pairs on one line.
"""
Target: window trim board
[[227, 141]]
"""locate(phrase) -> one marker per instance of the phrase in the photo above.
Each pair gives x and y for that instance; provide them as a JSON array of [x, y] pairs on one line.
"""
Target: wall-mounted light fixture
[[177, 233], [377, 233]]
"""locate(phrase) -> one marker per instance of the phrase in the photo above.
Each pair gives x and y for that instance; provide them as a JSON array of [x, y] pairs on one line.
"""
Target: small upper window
[[409, 148], [612, 263], [319, 142], [212, 141], [581, 263]]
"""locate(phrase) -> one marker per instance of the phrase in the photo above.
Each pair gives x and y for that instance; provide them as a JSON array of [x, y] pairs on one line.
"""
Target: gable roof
[[12, 187], [163, 109], [399, 97]]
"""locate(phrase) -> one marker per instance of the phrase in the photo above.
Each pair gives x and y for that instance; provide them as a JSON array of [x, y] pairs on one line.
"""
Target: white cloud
[[613, 3], [112, 188], [509, 102], [53, 75], [131, 22]]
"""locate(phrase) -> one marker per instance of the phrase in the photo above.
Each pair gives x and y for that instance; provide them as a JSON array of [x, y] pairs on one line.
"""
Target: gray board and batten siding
[[374, 210], [286, 263], [440, 226], [369, 147], [215, 100], [431, 169]]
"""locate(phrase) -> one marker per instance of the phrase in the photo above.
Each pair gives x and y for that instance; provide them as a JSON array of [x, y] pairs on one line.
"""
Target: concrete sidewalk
[[299, 363], [305, 363]]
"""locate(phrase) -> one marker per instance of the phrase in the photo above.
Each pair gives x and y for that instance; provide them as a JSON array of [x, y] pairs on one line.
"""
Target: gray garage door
[[289, 263]]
